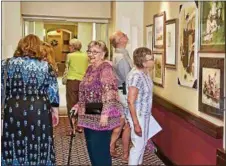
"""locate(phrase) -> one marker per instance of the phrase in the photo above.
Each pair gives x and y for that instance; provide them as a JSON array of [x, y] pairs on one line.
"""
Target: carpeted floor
[[79, 155]]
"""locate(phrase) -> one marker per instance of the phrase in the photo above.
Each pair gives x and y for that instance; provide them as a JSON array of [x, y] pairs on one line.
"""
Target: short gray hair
[[139, 56], [76, 44]]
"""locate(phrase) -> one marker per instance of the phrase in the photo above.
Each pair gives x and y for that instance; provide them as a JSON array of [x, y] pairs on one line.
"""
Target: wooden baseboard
[[163, 157], [202, 124], [221, 157]]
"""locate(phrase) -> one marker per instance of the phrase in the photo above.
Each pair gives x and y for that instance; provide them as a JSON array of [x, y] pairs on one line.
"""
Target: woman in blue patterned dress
[[31, 100], [140, 87]]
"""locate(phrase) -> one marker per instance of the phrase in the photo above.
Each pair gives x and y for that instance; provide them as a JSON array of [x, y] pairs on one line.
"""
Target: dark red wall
[[183, 143]]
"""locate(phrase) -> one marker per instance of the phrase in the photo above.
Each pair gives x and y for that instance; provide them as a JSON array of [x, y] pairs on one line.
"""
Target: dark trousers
[[98, 146], [72, 92]]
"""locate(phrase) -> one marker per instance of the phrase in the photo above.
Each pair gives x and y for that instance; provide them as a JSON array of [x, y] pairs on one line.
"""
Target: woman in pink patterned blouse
[[99, 86]]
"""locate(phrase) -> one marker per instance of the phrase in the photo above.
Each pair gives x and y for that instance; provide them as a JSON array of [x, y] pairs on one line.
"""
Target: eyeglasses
[[92, 52]]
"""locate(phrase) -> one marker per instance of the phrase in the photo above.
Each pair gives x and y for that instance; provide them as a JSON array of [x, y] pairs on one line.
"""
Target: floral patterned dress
[[100, 85], [31, 89]]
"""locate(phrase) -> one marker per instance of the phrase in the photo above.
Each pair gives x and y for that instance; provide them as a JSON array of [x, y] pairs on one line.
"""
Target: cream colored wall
[[184, 97], [68, 9], [128, 17], [11, 28], [39, 26], [85, 31]]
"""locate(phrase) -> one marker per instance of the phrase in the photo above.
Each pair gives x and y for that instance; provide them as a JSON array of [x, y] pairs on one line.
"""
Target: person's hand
[[137, 130], [103, 120], [81, 109], [55, 117]]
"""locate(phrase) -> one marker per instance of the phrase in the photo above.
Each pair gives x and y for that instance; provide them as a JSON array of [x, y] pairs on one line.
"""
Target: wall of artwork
[[184, 60]]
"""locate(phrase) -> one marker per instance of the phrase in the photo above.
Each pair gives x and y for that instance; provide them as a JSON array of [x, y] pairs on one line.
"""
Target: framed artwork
[[211, 86], [212, 26], [188, 37], [159, 30], [149, 36], [159, 69], [171, 43]]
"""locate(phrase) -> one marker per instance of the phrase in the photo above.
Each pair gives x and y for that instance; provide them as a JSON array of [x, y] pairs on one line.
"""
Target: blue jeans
[[98, 146]]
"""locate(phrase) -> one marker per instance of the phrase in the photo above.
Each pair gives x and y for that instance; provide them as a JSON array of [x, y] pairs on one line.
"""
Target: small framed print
[[159, 68], [211, 86], [159, 30], [149, 36], [212, 26], [171, 43]]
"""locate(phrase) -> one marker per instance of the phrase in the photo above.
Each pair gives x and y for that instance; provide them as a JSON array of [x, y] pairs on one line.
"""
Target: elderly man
[[122, 64]]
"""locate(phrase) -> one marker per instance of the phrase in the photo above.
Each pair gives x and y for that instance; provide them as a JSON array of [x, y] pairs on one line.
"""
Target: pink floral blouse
[[99, 85]]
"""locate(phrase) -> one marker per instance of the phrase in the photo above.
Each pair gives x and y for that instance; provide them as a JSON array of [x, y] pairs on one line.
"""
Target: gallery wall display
[[159, 30], [211, 86], [159, 68], [188, 41], [171, 43], [212, 26], [149, 36]]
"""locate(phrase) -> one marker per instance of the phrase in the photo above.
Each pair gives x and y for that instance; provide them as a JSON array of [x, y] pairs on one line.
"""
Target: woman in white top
[[140, 92]]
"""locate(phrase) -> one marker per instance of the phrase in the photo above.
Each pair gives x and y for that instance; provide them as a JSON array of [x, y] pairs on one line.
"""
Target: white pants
[[139, 143]]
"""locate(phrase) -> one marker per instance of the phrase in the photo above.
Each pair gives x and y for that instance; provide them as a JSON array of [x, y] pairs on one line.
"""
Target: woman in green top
[[76, 65]]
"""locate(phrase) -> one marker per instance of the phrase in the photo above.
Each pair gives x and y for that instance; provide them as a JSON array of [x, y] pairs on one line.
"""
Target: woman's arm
[[53, 89], [134, 85], [132, 97], [55, 116]]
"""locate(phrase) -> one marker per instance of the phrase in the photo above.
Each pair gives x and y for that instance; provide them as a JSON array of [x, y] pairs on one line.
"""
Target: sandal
[[125, 160], [114, 154], [79, 130]]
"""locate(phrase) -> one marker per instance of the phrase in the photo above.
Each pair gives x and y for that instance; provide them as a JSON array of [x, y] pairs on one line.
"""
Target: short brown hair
[[76, 44], [139, 56], [100, 44], [29, 46]]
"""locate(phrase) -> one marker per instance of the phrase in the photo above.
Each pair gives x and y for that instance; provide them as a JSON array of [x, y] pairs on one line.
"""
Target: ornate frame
[[209, 96], [158, 16], [159, 55], [171, 46]]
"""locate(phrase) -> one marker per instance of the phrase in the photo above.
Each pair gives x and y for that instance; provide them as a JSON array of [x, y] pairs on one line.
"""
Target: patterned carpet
[[79, 155]]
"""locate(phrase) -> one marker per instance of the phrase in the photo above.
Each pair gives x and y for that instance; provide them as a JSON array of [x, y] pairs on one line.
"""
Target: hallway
[[79, 153]]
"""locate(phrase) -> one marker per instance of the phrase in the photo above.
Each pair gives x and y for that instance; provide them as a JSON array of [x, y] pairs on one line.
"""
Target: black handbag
[[93, 108]]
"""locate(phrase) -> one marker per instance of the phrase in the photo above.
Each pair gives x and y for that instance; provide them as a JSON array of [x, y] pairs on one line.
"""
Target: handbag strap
[[4, 90]]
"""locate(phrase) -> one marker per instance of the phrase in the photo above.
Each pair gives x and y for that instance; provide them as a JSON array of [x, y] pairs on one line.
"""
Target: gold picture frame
[[159, 30]]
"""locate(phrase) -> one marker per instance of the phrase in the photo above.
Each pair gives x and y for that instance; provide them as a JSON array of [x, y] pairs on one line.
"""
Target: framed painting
[[211, 86], [171, 44], [188, 42], [149, 36], [212, 26], [159, 68], [159, 30]]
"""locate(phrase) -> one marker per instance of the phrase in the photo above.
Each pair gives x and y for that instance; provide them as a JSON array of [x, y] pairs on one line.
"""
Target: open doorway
[[58, 34], [59, 39]]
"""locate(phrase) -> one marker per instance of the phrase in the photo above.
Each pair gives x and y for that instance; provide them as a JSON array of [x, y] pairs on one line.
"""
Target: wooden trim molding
[[163, 157], [221, 157], [202, 124]]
